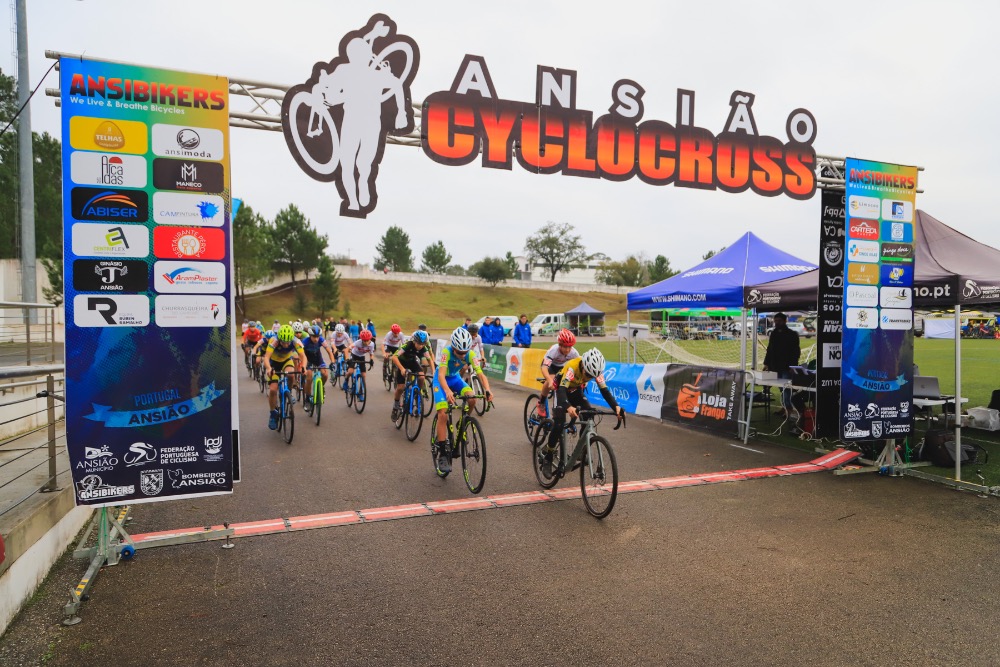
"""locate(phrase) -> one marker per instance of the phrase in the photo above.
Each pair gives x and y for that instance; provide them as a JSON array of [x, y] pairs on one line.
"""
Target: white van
[[548, 324]]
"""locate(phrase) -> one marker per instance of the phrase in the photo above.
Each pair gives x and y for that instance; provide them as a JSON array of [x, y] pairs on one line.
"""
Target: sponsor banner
[[175, 208], [88, 133], [531, 364], [495, 364], [110, 205], [189, 277], [90, 240], [649, 389], [514, 365], [108, 169], [701, 396], [876, 387], [188, 175], [189, 243], [831, 356], [862, 251], [860, 206], [830, 299], [181, 141], [622, 382], [864, 230], [150, 407], [110, 275]]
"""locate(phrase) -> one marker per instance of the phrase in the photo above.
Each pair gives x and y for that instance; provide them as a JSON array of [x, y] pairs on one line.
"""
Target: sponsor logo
[[933, 291], [894, 209], [513, 366], [895, 297], [851, 430], [853, 411], [92, 487], [109, 275], [181, 454], [831, 327], [899, 429], [900, 232], [97, 459], [177, 208], [837, 282], [904, 408], [866, 230], [189, 243], [861, 318], [876, 429], [712, 270], [124, 171], [109, 240], [862, 251], [190, 311], [859, 206], [106, 310], [151, 482], [109, 205], [973, 290], [897, 275], [188, 175], [140, 453], [862, 295], [200, 143], [189, 277], [754, 297], [213, 449], [897, 252], [101, 134], [862, 274], [896, 319], [180, 479], [831, 355], [693, 402], [833, 253], [871, 410], [784, 268]]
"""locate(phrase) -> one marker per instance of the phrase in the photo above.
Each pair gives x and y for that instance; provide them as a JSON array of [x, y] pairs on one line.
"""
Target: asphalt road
[[813, 569]]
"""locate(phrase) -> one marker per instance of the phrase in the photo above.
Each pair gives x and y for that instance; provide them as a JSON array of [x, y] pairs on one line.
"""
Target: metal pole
[[50, 401], [958, 394], [27, 333], [25, 156]]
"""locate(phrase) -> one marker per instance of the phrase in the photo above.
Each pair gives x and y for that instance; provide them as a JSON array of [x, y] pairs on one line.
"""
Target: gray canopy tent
[[593, 318]]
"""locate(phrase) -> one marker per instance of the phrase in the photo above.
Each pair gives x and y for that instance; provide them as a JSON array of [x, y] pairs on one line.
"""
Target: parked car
[[508, 322], [798, 328], [547, 324]]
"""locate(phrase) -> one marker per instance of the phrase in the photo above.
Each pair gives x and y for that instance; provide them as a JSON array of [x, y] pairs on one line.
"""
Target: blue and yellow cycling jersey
[[453, 364], [280, 353]]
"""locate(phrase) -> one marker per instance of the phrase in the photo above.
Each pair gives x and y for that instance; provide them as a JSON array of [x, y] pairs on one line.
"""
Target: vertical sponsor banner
[[148, 283], [495, 364], [622, 380], [701, 396], [828, 323], [649, 388], [876, 384], [531, 367], [515, 364]]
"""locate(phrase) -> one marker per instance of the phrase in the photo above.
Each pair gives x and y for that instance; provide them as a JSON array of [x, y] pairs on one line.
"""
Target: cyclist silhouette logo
[[336, 123]]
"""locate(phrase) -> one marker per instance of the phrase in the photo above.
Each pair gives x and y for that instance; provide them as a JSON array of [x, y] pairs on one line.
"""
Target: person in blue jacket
[[355, 329], [371, 327], [486, 331], [522, 332], [498, 332]]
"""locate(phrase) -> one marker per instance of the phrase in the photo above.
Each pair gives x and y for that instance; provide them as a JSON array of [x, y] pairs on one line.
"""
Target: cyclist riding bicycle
[[283, 356], [408, 358], [313, 345], [552, 364], [448, 382], [341, 339], [299, 329], [477, 341], [360, 349], [571, 394], [393, 340], [260, 347]]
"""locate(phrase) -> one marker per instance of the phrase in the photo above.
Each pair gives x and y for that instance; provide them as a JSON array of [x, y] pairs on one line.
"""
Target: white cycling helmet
[[339, 328], [461, 340], [297, 326], [593, 362]]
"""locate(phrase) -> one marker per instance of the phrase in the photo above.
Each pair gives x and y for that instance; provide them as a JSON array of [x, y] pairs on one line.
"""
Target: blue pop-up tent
[[720, 279]]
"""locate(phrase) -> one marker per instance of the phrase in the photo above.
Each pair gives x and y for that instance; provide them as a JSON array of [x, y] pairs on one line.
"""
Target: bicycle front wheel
[[531, 420], [546, 467], [317, 397], [414, 415], [288, 423], [599, 477], [360, 395], [349, 391], [477, 389], [387, 375], [473, 455]]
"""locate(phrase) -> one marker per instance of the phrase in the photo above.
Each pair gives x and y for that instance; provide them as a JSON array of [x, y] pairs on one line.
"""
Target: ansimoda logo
[[189, 311], [175, 208], [863, 251], [108, 169], [109, 275], [180, 141], [859, 206], [92, 240], [189, 243], [169, 174], [110, 310], [189, 277], [109, 205], [865, 230], [894, 209]]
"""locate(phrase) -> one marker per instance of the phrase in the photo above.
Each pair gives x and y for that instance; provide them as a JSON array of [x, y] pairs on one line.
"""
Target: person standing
[[371, 327], [498, 332], [522, 332], [783, 351], [355, 329]]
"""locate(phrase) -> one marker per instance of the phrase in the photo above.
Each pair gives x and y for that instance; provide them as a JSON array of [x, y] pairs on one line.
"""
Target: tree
[[251, 252], [712, 253], [512, 263], [631, 272], [556, 248], [299, 247], [394, 251], [435, 258], [659, 269], [491, 269], [326, 287], [455, 270]]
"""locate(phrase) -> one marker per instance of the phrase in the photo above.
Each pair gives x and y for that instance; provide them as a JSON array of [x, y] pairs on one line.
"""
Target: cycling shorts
[[315, 360], [278, 367], [356, 360], [457, 386]]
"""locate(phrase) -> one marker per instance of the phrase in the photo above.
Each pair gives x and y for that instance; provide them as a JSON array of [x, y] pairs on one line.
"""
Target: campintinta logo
[[110, 205]]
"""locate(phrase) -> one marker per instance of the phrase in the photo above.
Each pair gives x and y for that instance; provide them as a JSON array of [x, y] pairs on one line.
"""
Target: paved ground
[[807, 570]]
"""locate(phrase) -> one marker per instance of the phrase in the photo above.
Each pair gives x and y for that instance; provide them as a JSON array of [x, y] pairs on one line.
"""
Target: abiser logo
[[110, 205]]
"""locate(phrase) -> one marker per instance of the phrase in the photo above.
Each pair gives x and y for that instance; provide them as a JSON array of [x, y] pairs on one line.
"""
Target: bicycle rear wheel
[[387, 374], [477, 389], [414, 415], [349, 391], [317, 397], [361, 395], [288, 423], [261, 377], [599, 477], [473, 455], [434, 452], [427, 396], [401, 415], [531, 419], [546, 472]]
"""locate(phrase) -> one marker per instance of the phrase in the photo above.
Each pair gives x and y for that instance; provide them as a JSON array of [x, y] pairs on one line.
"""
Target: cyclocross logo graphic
[[336, 123]]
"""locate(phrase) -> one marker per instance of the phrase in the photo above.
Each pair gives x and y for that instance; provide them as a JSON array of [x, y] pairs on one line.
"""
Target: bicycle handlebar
[[605, 413]]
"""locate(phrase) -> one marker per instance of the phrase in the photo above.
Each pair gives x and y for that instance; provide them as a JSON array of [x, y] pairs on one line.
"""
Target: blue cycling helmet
[[420, 337], [316, 331]]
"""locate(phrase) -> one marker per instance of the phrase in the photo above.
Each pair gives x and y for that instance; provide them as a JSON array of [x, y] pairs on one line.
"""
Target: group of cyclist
[[298, 347]]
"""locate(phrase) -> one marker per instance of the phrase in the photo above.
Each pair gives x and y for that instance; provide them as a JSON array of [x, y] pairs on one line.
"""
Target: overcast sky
[[907, 82]]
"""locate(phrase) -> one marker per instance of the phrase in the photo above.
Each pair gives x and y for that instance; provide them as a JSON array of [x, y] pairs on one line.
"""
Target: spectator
[[522, 332], [498, 333], [371, 327], [782, 352], [488, 332], [330, 325], [275, 326], [355, 329], [468, 321]]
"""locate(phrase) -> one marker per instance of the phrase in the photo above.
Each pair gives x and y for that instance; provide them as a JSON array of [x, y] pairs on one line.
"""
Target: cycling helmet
[[420, 337], [593, 362], [395, 328], [461, 340], [286, 334], [473, 329], [339, 328], [366, 335], [297, 326], [269, 334], [258, 327], [315, 331], [566, 338]]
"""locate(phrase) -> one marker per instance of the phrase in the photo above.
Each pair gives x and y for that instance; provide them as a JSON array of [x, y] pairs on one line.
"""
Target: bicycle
[[286, 416], [593, 455], [314, 406], [248, 360], [477, 388], [339, 369], [260, 375], [411, 411], [388, 372], [470, 442], [355, 389], [531, 418]]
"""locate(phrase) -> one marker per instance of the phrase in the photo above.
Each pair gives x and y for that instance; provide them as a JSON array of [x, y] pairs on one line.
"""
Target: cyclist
[[477, 341], [313, 345], [284, 356], [448, 382], [251, 336], [571, 394], [299, 329], [553, 362], [341, 340], [360, 349], [393, 340], [409, 358], [260, 347]]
